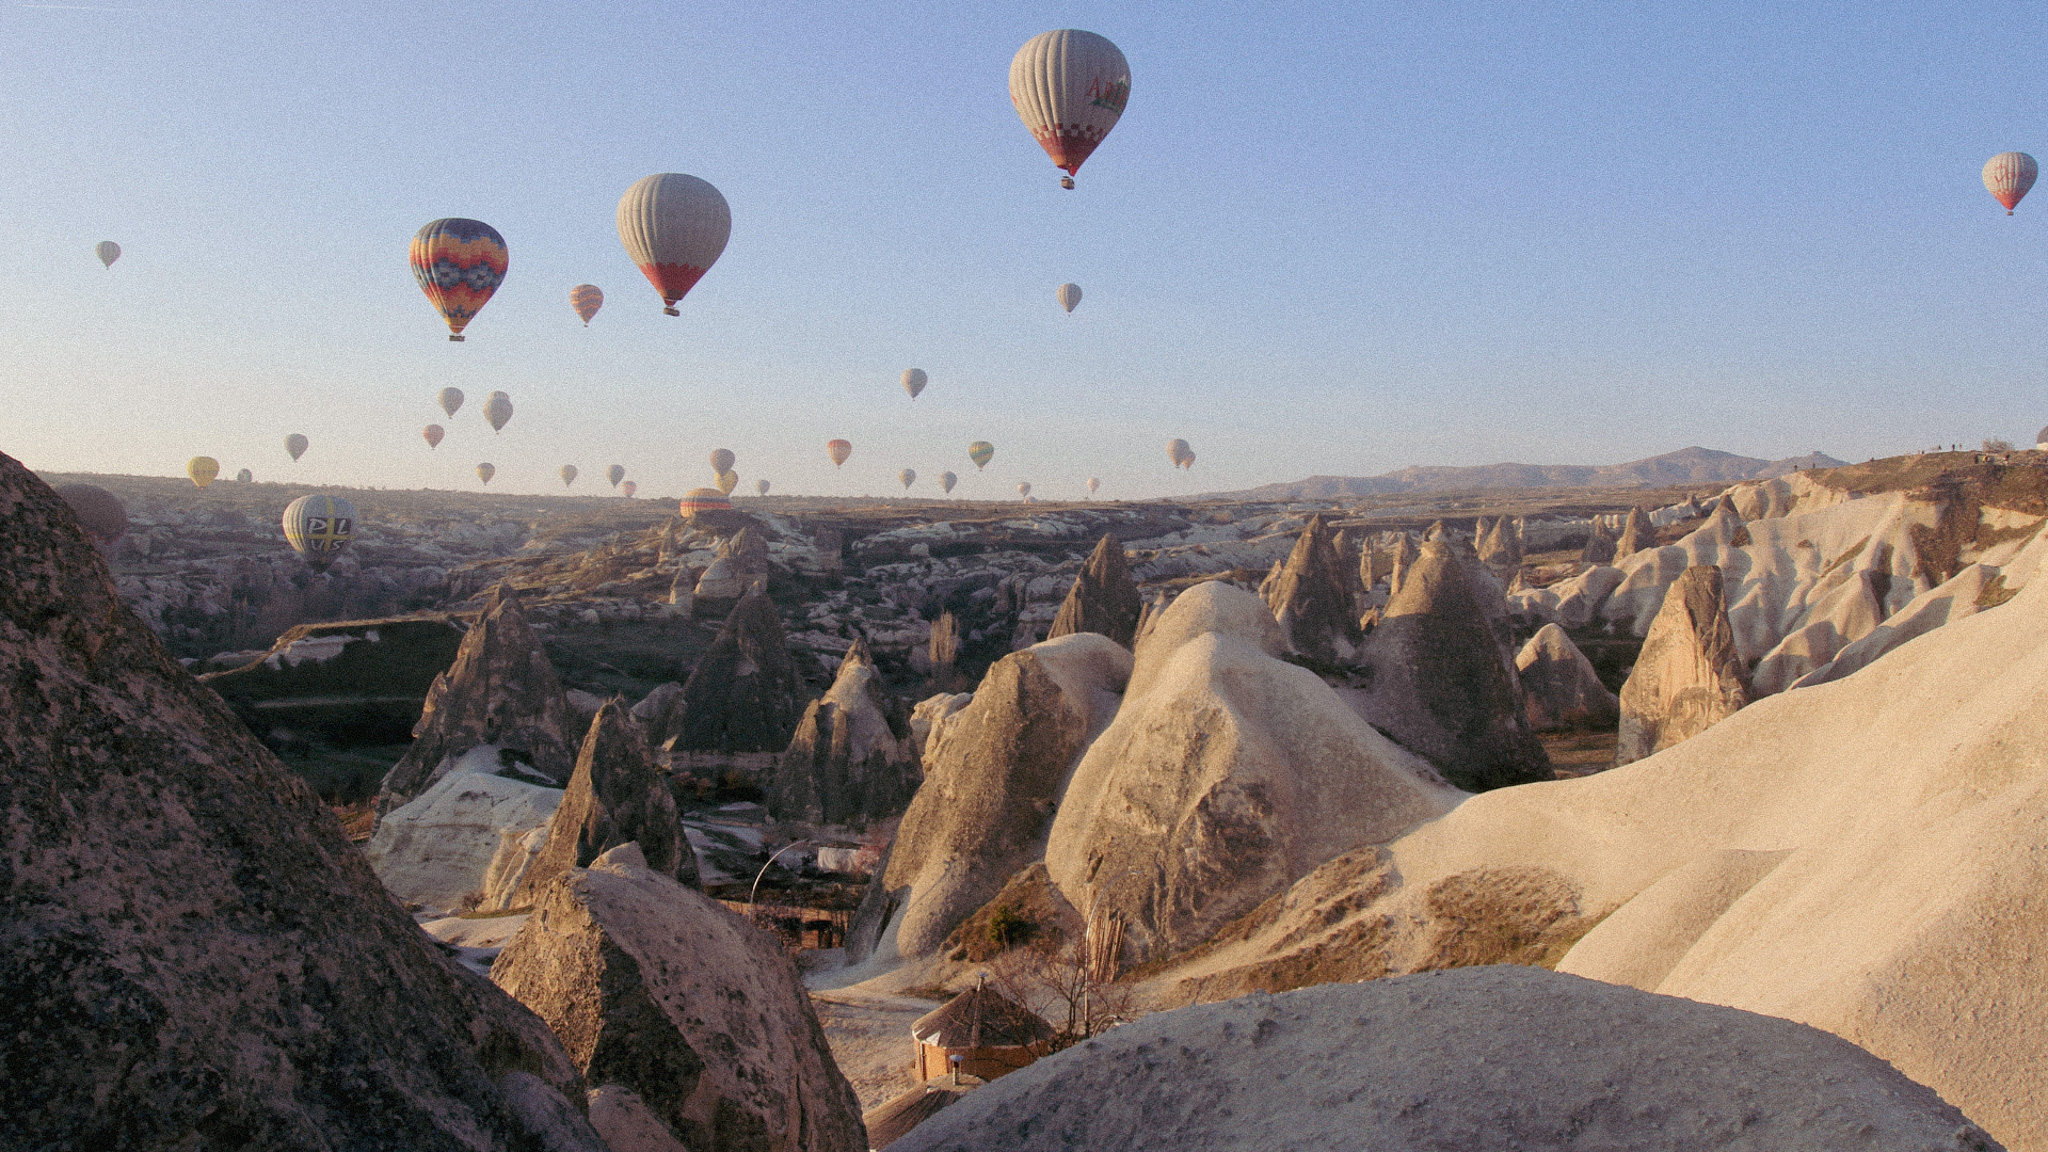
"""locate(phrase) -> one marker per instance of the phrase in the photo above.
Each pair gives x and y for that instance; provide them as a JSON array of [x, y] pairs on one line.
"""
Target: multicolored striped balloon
[[1069, 87], [2008, 175], [459, 264], [981, 452], [629, 488], [318, 527], [674, 227], [704, 500], [838, 450], [586, 299]]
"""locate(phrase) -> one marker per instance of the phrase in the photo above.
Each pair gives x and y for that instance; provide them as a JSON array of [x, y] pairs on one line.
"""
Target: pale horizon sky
[[1324, 239]]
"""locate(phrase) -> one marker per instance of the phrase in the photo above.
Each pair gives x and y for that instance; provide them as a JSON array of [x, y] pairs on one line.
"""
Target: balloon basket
[[670, 312], [1067, 182], [455, 338]]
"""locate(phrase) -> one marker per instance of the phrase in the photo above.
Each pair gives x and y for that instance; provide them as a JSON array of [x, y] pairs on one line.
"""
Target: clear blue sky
[[1330, 239]]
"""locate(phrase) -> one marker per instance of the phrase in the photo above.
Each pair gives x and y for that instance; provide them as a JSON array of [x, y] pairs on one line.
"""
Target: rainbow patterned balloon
[[586, 299], [459, 263]]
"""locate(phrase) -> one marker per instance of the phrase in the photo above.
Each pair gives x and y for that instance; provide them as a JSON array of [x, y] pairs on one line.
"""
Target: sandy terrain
[[870, 1037]]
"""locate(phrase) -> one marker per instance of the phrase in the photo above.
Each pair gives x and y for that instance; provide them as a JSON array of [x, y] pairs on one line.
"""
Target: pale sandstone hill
[[1560, 689], [1688, 676], [1478, 1059], [1863, 856], [192, 956], [438, 850], [1227, 774]]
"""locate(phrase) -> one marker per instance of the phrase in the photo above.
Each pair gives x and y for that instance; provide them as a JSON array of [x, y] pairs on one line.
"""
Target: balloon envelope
[[459, 263], [433, 433], [568, 474], [722, 460], [2008, 175], [674, 227], [586, 299], [318, 527], [1068, 296], [947, 480], [629, 488], [108, 252], [245, 477], [1024, 488], [99, 511], [202, 470], [1069, 87], [296, 444], [450, 400], [498, 411], [484, 472], [908, 476], [1093, 484], [838, 450], [727, 481], [1178, 451], [615, 473], [703, 500], [914, 381], [981, 452], [761, 487]]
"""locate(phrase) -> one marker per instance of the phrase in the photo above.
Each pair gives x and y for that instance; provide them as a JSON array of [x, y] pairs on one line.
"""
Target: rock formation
[[353, 681], [1227, 774], [616, 796], [738, 567], [501, 691], [851, 760], [1103, 599], [438, 849], [1311, 598], [944, 647], [1689, 675], [661, 991], [1443, 1061], [1560, 689], [744, 695], [1636, 535], [192, 956], [994, 774], [1405, 555], [1599, 549], [1498, 547], [1443, 685]]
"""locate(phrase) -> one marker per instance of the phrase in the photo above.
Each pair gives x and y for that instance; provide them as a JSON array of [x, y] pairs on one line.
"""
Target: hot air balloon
[[99, 511], [722, 460], [459, 263], [674, 226], [704, 500], [761, 487], [586, 299], [108, 252], [318, 527], [1178, 452], [615, 473], [568, 474], [202, 470], [914, 381], [433, 433], [296, 444], [728, 480], [981, 452], [1069, 87], [498, 411], [1024, 489], [947, 480], [245, 477], [2008, 175], [1188, 461], [450, 400], [838, 450], [1068, 295], [1093, 484], [629, 488], [484, 472], [908, 476]]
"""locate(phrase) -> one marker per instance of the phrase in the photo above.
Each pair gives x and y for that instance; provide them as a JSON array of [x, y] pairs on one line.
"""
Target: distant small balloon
[[318, 527], [2008, 175], [498, 411], [433, 433], [1179, 452], [981, 452], [296, 444], [451, 399], [728, 480], [1068, 296], [586, 299], [722, 460], [1093, 484], [914, 381], [99, 511], [202, 470], [908, 476], [629, 488], [947, 480], [568, 474], [761, 487], [1188, 461], [484, 472], [615, 473], [108, 252], [838, 450], [1024, 489], [245, 477]]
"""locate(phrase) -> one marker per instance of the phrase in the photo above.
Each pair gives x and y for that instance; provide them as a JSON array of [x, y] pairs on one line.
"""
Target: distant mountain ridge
[[1686, 466]]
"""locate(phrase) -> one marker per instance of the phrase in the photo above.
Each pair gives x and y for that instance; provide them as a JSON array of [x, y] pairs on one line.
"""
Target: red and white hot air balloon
[[2008, 175], [1069, 88], [674, 227]]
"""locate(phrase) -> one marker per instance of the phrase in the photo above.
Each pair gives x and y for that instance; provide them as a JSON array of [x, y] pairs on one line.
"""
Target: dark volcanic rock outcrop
[[1103, 599], [662, 991], [1312, 599], [192, 957], [851, 759], [1689, 675], [616, 796], [1560, 689], [1443, 685], [501, 690], [744, 695]]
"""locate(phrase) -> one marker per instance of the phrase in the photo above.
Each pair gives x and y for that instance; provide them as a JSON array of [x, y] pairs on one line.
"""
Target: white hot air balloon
[[761, 487], [568, 475], [908, 476], [108, 252], [1069, 87], [674, 227], [1068, 296], [1024, 489], [914, 381], [498, 411], [450, 400], [947, 480], [1093, 484]]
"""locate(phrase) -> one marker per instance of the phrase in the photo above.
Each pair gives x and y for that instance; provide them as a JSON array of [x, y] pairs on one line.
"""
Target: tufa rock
[[851, 760], [944, 647], [1405, 556], [1636, 535], [1443, 685], [1435, 532], [192, 956], [440, 849], [661, 991], [501, 691], [1599, 549], [1499, 546], [1688, 676], [1311, 598], [1560, 689], [616, 796], [743, 695], [1104, 598]]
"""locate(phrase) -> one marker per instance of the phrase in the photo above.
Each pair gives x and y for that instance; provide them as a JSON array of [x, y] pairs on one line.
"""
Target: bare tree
[[1997, 444], [1070, 982]]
